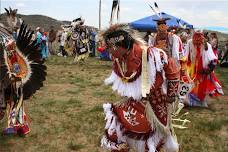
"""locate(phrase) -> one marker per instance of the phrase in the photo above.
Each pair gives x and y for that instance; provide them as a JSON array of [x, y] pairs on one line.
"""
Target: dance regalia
[[186, 83], [69, 44], [82, 44], [200, 66], [174, 48], [22, 74], [171, 44], [80, 36], [147, 78]]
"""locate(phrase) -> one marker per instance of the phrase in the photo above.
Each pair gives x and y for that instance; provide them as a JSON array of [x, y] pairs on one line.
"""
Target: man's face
[[117, 52], [162, 28]]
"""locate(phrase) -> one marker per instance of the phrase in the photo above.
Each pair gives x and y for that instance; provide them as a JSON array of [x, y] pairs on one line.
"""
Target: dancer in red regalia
[[201, 62], [148, 80]]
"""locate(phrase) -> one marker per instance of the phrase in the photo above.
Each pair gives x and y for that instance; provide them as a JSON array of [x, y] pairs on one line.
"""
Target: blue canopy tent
[[148, 23]]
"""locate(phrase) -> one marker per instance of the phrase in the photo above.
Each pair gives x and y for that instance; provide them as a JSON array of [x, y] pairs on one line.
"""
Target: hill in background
[[223, 38], [37, 20], [217, 28]]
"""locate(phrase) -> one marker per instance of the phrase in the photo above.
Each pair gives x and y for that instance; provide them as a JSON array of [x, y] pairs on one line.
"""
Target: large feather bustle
[[30, 49]]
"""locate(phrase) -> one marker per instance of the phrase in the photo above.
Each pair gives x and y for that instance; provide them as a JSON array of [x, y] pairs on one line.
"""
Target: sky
[[200, 13]]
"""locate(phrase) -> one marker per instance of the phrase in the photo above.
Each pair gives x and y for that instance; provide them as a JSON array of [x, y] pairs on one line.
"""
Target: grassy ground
[[67, 114]]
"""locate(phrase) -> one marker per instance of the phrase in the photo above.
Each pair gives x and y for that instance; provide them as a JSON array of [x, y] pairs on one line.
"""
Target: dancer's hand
[[171, 99]]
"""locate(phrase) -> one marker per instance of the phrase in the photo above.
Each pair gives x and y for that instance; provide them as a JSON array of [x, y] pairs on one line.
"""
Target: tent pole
[[99, 14]]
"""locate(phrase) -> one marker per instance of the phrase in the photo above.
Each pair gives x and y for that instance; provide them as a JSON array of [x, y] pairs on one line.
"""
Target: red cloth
[[101, 49], [205, 83], [13, 59], [132, 116], [200, 89], [133, 63]]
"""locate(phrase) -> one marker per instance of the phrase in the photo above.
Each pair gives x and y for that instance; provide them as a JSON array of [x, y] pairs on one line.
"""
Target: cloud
[[202, 18], [152, 1], [20, 4], [197, 12], [22, 0], [125, 9]]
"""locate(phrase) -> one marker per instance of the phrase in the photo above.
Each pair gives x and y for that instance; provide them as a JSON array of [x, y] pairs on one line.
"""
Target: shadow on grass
[[75, 146]]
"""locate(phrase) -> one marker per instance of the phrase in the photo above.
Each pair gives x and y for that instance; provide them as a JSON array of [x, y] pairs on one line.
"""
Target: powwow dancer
[[21, 74], [224, 60], [167, 41], [201, 62], [186, 83], [173, 46], [148, 80], [80, 36]]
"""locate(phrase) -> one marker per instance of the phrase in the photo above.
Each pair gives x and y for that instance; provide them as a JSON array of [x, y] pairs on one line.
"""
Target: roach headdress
[[121, 35]]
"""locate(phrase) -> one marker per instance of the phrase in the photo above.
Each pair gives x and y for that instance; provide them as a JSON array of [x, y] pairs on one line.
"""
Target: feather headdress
[[121, 32], [77, 21]]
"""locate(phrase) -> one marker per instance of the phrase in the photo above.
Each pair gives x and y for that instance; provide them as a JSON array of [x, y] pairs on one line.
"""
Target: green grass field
[[67, 115]]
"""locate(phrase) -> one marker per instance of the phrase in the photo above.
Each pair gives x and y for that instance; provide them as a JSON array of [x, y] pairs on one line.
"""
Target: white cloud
[[125, 9], [20, 4], [152, 1], [21, 0], [203, 18], [197, 12]]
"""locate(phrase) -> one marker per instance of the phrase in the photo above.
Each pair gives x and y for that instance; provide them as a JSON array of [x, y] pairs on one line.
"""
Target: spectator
[[62, 37], [224, 54], [51, 39], [93, 42], [104, 54], [38, 36], [44, 46]]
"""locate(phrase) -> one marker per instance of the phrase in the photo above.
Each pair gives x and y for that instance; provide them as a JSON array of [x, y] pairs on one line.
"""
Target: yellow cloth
[[79, 58]]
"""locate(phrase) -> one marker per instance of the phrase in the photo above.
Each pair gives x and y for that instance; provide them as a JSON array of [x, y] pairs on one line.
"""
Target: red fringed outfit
[[201, 63], [141, 122]]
